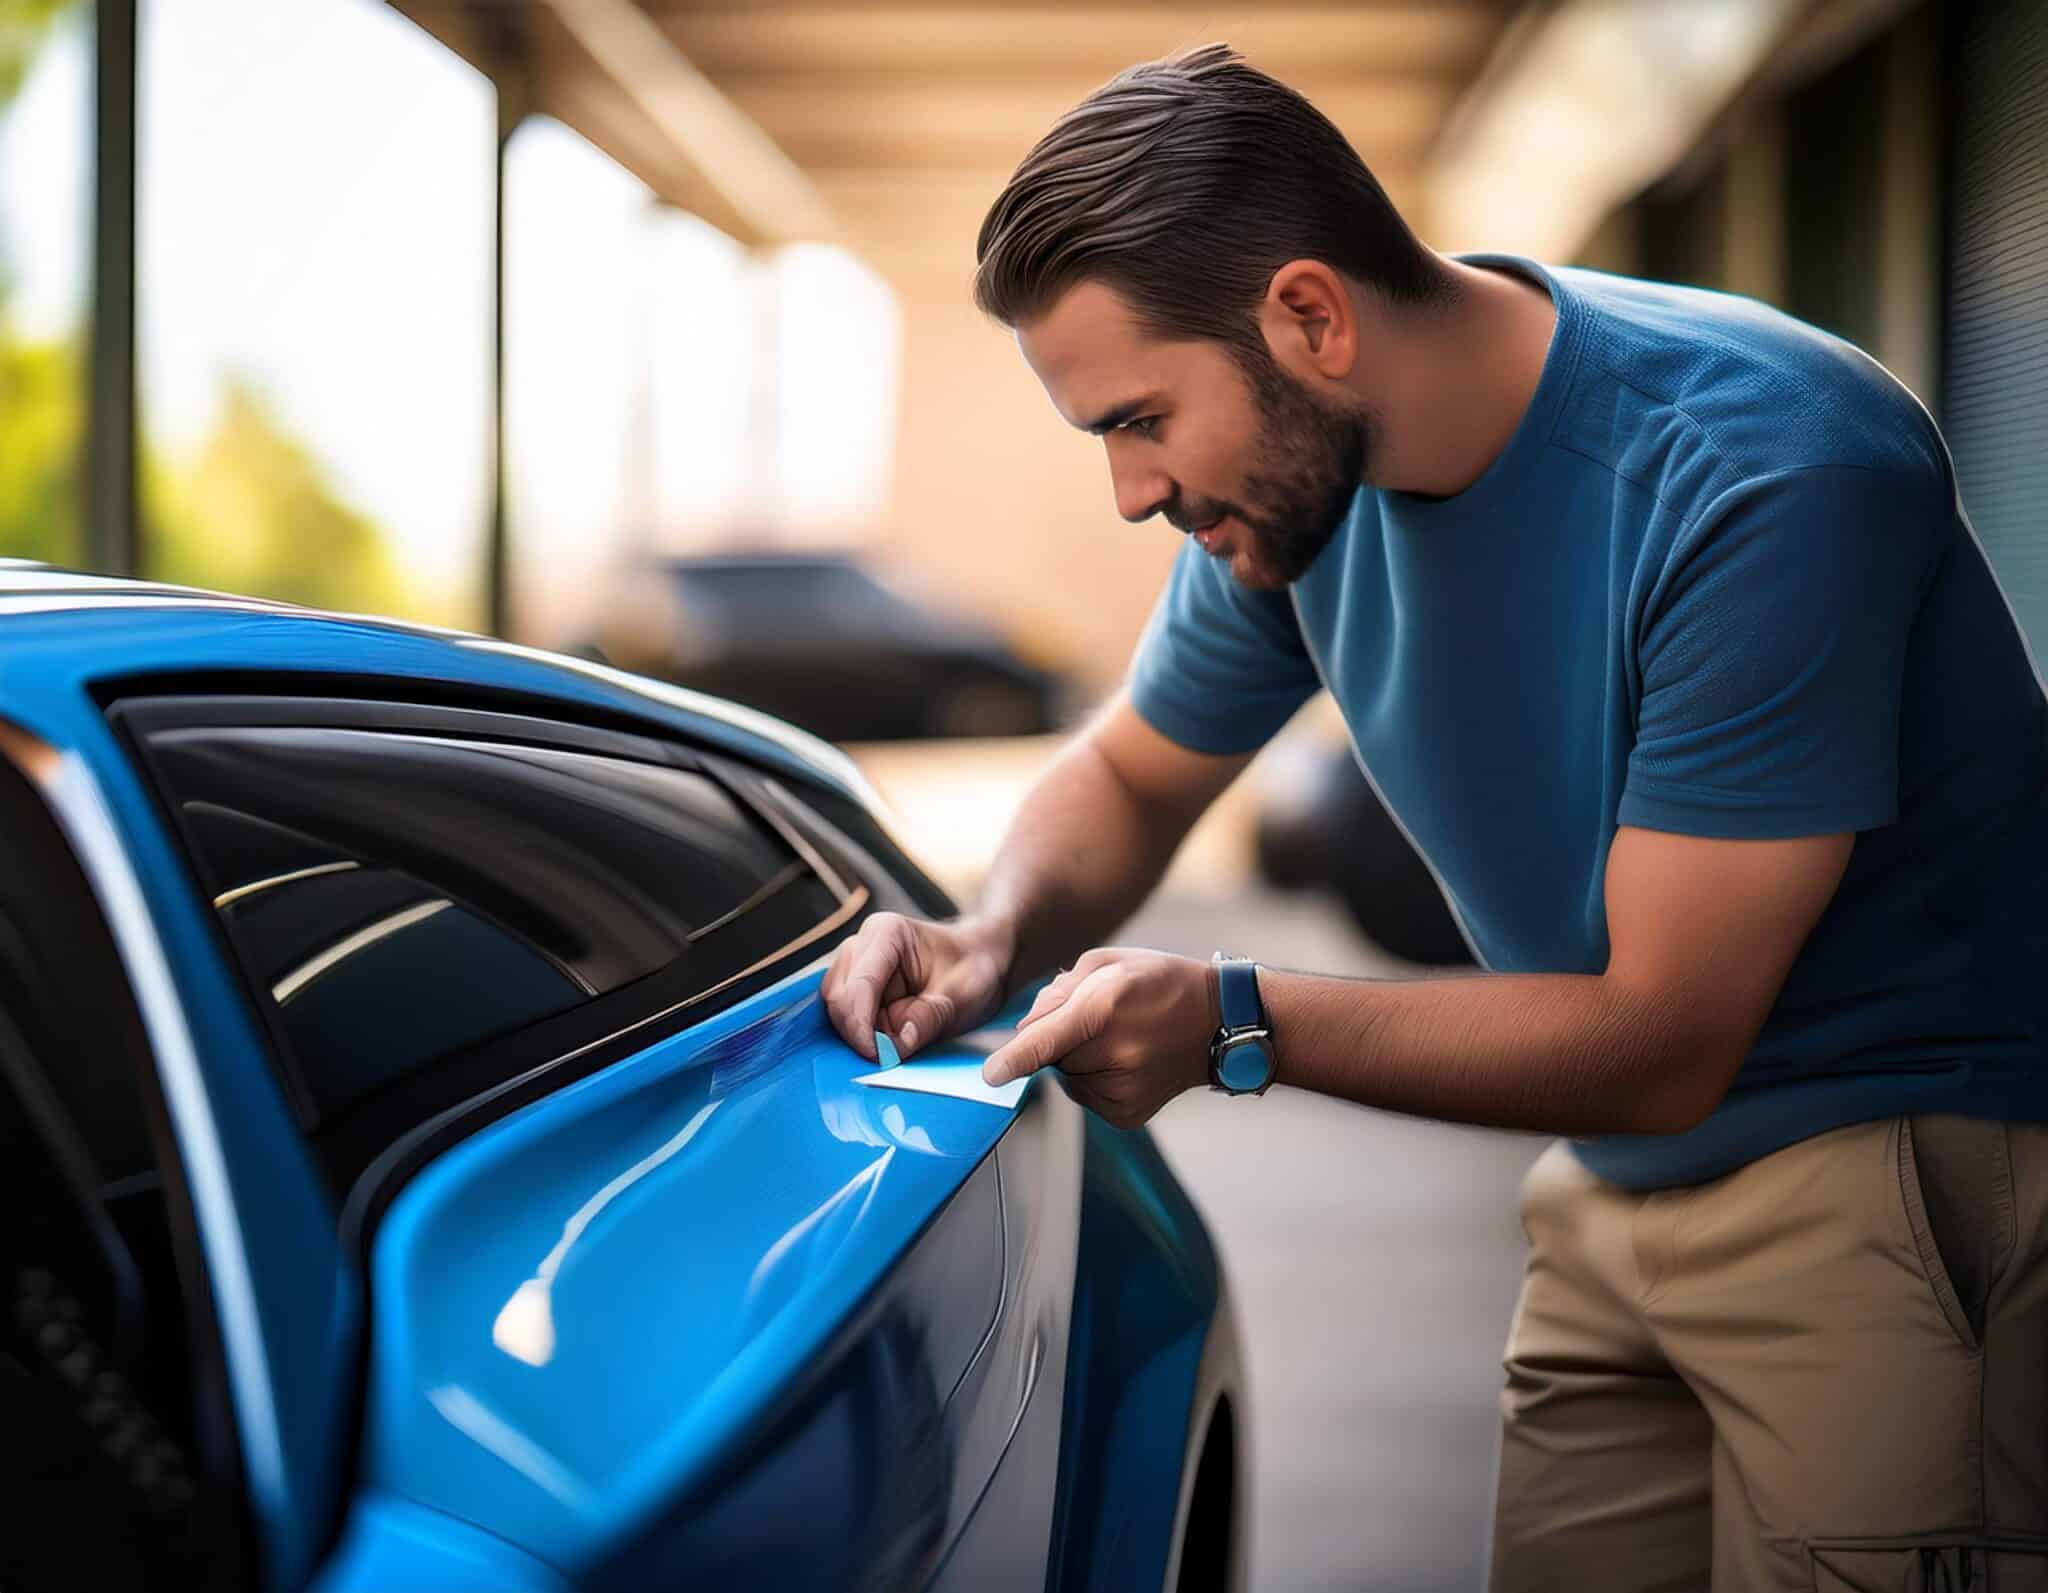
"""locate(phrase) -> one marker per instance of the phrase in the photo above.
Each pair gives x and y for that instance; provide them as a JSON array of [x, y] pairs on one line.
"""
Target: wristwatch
[[1241, 1058]]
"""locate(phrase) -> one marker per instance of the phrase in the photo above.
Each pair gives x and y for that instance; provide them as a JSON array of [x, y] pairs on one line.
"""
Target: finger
[[874, 969], [1061, 989], [1042, 1046], [922, 1019], [1046, 1043], [1054, 996]]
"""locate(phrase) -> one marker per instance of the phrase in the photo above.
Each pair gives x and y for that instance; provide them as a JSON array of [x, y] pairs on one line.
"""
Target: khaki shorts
[[1827, 1370]]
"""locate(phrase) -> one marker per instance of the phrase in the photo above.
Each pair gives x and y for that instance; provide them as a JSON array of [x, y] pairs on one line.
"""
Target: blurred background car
[[819, 640], [1322, 827]]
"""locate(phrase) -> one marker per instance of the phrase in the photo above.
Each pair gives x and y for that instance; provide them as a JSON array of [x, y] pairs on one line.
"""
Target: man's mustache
[[1176, 515]]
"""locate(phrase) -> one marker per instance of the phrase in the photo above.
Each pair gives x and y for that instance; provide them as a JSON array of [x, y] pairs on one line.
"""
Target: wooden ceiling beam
[[827, 125], [1447, 37]]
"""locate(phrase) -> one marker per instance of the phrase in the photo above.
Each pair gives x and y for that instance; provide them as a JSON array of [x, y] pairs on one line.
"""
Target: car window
[[395, 898], [117, 1466]]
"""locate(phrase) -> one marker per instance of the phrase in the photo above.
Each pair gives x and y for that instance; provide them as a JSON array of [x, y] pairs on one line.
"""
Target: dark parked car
[[818, 640], [1323, 827]]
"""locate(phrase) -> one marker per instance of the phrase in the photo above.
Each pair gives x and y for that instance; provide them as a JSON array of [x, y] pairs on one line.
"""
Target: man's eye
[[1148, 427]]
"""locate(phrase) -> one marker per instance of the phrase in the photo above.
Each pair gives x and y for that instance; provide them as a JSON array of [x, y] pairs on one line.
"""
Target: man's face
[[1252, 463]]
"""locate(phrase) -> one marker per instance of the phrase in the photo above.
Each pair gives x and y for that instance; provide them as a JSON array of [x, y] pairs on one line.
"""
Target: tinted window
[[395, 898]]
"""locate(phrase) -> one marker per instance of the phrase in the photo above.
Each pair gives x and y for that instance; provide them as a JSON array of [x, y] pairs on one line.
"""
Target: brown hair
[[1184, 184]]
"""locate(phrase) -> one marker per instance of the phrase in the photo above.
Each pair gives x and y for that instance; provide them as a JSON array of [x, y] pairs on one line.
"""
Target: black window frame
[[370, 1150]]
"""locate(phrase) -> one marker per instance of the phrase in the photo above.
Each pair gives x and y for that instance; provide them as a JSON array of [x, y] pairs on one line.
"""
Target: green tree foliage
[[40, 449], [41, 417], [22, 26], [251, 511]]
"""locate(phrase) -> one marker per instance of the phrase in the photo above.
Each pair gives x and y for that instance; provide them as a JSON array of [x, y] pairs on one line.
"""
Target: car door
[[657, 1287], [119, 1460]]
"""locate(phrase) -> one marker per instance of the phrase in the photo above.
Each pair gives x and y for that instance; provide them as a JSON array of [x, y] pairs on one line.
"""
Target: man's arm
[[1091, 840], [1701, 932], [1094, 837]]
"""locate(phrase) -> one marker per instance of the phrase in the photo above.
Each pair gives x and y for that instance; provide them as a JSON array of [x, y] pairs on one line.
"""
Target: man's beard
[[1309, 459]]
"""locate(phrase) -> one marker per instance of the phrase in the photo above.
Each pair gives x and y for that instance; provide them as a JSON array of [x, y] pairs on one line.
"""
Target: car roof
[[68, 638]]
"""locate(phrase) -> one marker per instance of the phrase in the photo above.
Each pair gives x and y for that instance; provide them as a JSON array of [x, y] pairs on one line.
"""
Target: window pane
[[314, 304], [45, 274], [395, 898]]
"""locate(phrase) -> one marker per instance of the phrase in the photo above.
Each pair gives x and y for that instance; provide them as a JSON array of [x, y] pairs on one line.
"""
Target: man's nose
[[1140, 493]]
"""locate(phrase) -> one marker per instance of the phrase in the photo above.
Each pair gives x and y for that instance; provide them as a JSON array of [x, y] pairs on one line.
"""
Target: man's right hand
[[918, 981]]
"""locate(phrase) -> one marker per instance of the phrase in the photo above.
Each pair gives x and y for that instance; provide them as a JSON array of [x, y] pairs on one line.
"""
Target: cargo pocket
[[1933, 1564]]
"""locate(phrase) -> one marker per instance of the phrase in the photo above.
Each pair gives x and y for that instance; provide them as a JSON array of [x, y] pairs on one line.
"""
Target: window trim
[[367, 1179]]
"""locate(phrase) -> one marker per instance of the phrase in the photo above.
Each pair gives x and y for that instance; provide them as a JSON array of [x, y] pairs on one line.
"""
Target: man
[[1653, 614]]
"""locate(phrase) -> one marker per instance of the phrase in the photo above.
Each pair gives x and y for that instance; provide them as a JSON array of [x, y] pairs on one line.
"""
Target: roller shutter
[[1996, 378]]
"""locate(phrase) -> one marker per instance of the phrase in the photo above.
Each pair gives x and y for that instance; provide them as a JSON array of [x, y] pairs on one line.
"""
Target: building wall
[[1002, 507]]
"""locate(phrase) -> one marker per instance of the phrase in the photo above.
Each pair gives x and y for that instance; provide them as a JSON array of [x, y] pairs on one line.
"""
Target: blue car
[[428, 1163]]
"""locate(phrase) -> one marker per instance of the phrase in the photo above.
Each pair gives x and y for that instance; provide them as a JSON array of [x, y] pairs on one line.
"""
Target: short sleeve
[[1220, 667], [1772, 657]]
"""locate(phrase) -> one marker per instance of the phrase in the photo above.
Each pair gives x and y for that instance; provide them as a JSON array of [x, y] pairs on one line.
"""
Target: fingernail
[[989, 1075], [907, 1038]]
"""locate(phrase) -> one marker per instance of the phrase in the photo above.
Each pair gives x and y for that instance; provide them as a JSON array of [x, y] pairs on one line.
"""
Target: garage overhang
[[606, 69]]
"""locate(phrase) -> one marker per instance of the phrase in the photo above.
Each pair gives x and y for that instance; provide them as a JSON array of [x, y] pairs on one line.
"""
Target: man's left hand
[[1130, 1029]]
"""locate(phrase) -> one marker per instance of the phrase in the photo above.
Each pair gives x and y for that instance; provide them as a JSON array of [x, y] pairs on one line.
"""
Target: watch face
[[1245, 1064]]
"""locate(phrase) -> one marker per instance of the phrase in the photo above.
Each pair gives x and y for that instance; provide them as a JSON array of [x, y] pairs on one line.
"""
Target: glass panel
[[45, 273], [314, 304], [400, 897]]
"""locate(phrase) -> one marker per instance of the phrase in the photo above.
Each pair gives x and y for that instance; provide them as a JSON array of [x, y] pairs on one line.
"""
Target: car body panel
[[392, 1544], [1149, 1305], [516, 1299]]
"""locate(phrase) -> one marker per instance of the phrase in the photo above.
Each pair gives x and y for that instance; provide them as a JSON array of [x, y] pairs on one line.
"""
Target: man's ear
[[1310, 321]]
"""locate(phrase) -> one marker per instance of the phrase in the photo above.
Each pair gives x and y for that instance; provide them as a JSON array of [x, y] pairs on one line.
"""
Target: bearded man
[[1655, 618]]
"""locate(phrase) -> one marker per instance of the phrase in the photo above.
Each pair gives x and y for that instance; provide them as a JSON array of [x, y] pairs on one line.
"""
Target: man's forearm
[[1080, 857], [1562, 1053]]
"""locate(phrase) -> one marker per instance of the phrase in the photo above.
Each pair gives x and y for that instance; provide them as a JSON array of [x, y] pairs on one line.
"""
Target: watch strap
[[1237, 990]]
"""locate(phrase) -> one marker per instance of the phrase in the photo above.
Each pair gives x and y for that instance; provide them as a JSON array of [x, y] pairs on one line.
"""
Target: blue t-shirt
[[1718, 583]]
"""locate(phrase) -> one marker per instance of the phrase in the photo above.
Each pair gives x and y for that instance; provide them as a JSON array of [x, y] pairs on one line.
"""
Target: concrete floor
[[1375, 1260]]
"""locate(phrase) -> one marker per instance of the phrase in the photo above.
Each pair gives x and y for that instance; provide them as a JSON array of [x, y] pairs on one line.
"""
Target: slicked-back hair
[[1184, 184]]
